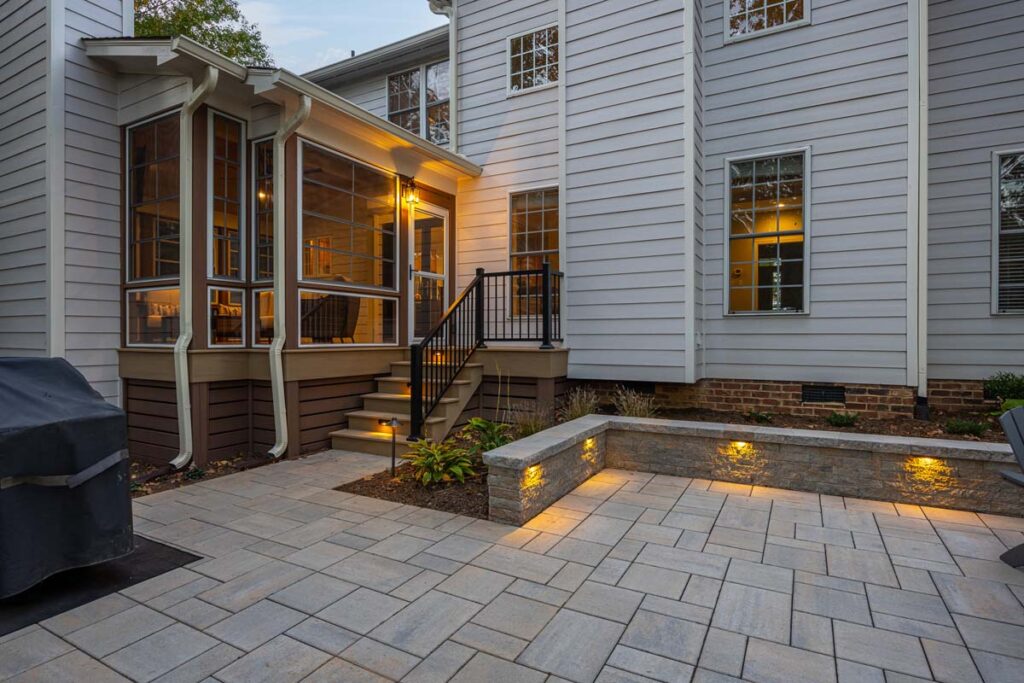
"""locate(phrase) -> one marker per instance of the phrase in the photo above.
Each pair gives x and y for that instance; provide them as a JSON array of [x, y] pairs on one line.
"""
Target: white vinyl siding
[[23, 201], [370, 94], [975, 103], [625, 190], [840, 86]]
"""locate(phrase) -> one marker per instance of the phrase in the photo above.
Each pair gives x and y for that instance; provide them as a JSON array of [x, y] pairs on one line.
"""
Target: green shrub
[[578, 402], [631, 403], [195, 474], [484, 435], [842, 419], [529, 418], [1005, 385], [963, 426], [440, 462], [760, 418], [1010, 404]]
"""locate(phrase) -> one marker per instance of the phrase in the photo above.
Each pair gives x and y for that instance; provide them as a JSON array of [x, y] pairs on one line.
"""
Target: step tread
[[361, 435], [377, 415], [405, 363], [408, 380], [404, 397]]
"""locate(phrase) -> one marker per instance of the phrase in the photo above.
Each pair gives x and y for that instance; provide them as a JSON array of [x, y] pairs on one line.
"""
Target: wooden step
[[383, 402], [375, 443], [369, 421]]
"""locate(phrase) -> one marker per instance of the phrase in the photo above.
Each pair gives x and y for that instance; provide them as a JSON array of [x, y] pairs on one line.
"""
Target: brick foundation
[[955, 395]]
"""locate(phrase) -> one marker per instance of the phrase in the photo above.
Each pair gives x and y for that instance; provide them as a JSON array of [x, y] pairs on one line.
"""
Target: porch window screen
[[752, 16], [766, 235], [1010, 233], [226, 197], [343, 319], [153, 210], [533, 231], [348, 221], [263, 214], [533, 60]]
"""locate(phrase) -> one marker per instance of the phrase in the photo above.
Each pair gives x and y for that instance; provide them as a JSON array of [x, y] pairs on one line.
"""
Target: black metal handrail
[[521, 305]]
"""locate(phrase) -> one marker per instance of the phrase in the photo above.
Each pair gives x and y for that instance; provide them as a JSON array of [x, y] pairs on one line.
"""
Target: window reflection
[[226, 197], [153, 179], [226, 316], [342, 319], [153, 316]]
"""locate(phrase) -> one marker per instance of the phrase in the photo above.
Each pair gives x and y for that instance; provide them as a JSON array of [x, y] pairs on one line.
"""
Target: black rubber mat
[[75, 587]]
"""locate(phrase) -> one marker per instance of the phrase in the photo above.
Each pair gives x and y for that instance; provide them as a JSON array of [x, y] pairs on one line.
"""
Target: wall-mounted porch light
[[410, 194]]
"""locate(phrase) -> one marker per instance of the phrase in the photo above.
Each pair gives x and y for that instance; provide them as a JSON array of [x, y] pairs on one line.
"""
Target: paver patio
[[632, 577]]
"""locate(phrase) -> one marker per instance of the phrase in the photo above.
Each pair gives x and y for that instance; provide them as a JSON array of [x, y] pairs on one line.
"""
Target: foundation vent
[[818, 393]]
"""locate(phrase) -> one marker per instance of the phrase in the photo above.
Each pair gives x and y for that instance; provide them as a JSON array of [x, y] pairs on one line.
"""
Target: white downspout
[[917, 207], [922, 204], [280, 333], [449, 9], [181, 384]]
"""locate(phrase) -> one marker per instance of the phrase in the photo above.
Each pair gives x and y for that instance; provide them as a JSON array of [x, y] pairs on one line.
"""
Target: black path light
[[394, 423]]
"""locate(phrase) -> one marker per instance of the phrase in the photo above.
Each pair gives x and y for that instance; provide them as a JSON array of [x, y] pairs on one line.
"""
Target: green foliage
[[440, 462], [578, 402], [194, 473], [760, 418], [1010, 404], [842, 419], [137, 487], [217, 24], [963, 426], [631, 403], [529, 418], [1005, 385], [484, 435]]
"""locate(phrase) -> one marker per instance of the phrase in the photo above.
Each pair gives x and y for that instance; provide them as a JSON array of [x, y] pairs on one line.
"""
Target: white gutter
[[917, 205], [181, 384], [280, 332]]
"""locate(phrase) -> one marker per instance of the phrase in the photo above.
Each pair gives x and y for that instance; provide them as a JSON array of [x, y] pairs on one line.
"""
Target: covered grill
[[64, 482]]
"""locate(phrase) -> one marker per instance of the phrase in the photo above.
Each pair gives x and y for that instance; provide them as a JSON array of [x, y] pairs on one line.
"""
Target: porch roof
[[181, 56]]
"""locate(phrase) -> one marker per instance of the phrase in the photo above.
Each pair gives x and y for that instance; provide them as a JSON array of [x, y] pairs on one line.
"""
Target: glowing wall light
[[533, 476], [931, 471]]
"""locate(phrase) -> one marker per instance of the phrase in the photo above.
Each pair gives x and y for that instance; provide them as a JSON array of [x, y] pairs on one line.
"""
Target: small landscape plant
[[1010, 404], [195, 474], [439, 462], [484, 435], [760, 418], [963, 426], [1005, 386], [842, 419], [578, 402], [528, 418], [631, 403]]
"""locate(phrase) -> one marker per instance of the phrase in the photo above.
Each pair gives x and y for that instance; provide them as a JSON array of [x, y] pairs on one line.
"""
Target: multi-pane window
[[533, 230], [153, 209], [263, 318], [1010, 233], [751, 16], [263, 213], [342, 319], [766, 234], [226, 317], [348, 221], [153, 316], [533, 59], [428, 115], [226, 197]]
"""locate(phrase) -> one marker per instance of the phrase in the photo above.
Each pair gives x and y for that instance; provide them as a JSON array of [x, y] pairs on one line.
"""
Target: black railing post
[[416, 392], [480, 308], [546, 305]]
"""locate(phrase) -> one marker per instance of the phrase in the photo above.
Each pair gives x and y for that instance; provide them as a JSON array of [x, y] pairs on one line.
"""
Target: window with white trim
[[766, 220], [418, 101], [263, 209], [747, 17], [533, 231], [533, 60], [1009, 233], [227, 314], [226, 178]]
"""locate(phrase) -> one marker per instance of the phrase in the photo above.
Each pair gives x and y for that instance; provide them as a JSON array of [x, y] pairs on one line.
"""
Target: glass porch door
[[428, 268]]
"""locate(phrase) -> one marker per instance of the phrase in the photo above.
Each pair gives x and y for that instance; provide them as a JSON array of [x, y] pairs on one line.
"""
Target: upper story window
[[348, 220], [748, 17], [533, 60], [533, 230], [226, 163], [766, 208], [263, 208], [1009, 233], [418, 100], [153, 211]]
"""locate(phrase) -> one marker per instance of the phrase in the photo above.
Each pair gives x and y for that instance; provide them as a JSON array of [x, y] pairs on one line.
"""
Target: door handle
[[410, 272]]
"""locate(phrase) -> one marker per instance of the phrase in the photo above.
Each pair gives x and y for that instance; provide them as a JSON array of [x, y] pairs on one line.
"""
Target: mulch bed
[[148, 478], [468, 499], [935, 428]]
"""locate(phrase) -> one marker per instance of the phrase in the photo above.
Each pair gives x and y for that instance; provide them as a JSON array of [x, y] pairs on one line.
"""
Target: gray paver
[[323, 635], [339, 670], [774, 663], [600, 529], [650, 666], [490, 641], [861, 565], [160, 653], [754, 612], [830, 602], [254, 585], [908, 604], [373, 571], [197, 613], [199, 668], [73, 667], [516, 615], [441, 665], [950, 663], [257, 624], [884, 649], [979, 598], [282, 660], [484, 667], [476, 584], [607, 602], [361, 610], [812, 632], [585, 552], [458, 547], [655, 580], [573, 646], [520, 564], [113, 633], [990, 636], [380, 658], [29, 650], [426, 623], [723, 652], [666, 636], [87, 614], [313, 593]]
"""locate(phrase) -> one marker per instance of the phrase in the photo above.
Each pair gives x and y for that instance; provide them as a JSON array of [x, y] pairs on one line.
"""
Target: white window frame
[[155, 288], [210, 344], [126, 196], [996, 311], [242, 201], [423, 105], [326, 285], [727, 225], [254, 317], [509, 92], [313, 290], [253, 256], [508, 228], [765, 31]]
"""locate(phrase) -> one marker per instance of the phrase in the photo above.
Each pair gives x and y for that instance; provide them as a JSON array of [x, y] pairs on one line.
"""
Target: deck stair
[[392, 399]]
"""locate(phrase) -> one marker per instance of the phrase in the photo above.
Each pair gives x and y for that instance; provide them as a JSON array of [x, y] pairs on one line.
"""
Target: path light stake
[[393, 423]]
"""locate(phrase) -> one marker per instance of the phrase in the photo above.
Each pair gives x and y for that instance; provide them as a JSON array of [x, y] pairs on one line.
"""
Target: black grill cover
[[52, 424]]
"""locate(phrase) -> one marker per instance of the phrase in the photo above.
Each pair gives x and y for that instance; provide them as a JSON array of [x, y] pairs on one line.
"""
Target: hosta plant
[[484, 435], [440, 462]]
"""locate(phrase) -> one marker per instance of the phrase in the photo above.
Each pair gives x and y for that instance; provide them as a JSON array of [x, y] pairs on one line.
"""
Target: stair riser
[[400, 369], [401, 407], [432, 430], [383, 448]]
